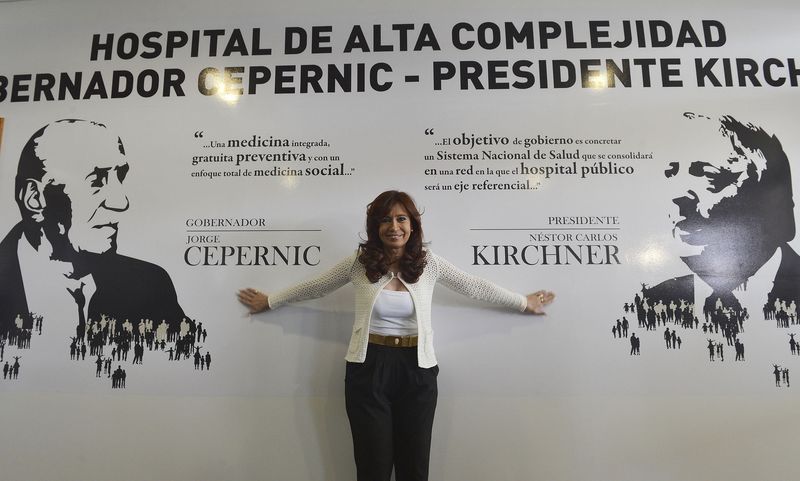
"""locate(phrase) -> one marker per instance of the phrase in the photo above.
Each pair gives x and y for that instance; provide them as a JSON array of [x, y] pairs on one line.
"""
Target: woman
[[390, 383]]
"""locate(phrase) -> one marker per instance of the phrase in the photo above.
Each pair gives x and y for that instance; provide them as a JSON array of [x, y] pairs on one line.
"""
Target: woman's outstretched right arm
[[327, 282]]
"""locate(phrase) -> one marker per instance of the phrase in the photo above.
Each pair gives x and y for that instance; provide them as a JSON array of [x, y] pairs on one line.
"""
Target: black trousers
[[390, 402]]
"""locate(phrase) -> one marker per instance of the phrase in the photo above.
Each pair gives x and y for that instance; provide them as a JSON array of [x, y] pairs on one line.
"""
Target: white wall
[[552, 397]]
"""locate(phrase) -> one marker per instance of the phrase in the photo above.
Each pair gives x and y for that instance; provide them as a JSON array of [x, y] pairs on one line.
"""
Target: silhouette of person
[[732, 214], [15, 367], [70, 190], [735, 213], [634, 344]]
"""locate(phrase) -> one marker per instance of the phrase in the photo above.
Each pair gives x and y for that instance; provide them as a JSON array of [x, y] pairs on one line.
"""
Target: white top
[[393, 314], [437, 269]]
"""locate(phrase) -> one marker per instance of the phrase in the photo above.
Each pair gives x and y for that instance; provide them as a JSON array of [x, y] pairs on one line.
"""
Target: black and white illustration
[[62, 273], [733, 216]]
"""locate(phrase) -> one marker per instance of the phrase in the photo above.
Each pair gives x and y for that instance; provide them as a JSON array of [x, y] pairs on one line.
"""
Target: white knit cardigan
[[437, 269]]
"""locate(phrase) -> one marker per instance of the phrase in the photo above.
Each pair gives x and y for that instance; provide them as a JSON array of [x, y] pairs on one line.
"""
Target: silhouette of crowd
[[656, 309], [784, 314], [108, 340], [11, 371], [18, 337], [20, 332], [118, 378]]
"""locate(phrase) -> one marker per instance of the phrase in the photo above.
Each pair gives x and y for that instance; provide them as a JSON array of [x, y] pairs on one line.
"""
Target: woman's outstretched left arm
[[484, 290]]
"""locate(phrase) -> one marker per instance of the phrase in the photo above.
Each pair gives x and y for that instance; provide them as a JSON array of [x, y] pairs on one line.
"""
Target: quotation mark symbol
[[429, 131], [198, 134]]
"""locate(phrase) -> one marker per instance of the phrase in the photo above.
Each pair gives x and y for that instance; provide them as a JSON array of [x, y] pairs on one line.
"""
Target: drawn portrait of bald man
[[61, 259], [733, 215]]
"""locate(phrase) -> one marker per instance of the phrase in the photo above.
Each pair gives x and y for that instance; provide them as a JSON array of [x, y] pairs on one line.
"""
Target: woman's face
[[394, 229]]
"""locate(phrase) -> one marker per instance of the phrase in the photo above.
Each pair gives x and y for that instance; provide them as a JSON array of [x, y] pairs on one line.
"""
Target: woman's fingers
[[538, 300], [252, 298], [545, 297]]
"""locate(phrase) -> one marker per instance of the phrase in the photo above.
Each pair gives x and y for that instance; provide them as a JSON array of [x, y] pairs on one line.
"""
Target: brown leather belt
[[393, 341]]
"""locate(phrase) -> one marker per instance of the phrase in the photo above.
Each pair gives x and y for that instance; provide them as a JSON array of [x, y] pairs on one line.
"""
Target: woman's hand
[[257, 301], [538, 300]]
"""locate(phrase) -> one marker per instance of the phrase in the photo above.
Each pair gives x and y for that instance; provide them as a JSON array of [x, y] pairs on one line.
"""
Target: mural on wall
[[61, 270], [734, 214]]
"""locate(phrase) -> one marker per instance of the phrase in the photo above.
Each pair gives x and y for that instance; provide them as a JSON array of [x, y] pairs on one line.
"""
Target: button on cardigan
[[436, 270]]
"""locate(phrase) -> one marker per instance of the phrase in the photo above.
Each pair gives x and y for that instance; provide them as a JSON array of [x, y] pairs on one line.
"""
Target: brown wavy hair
[[373, 256]]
